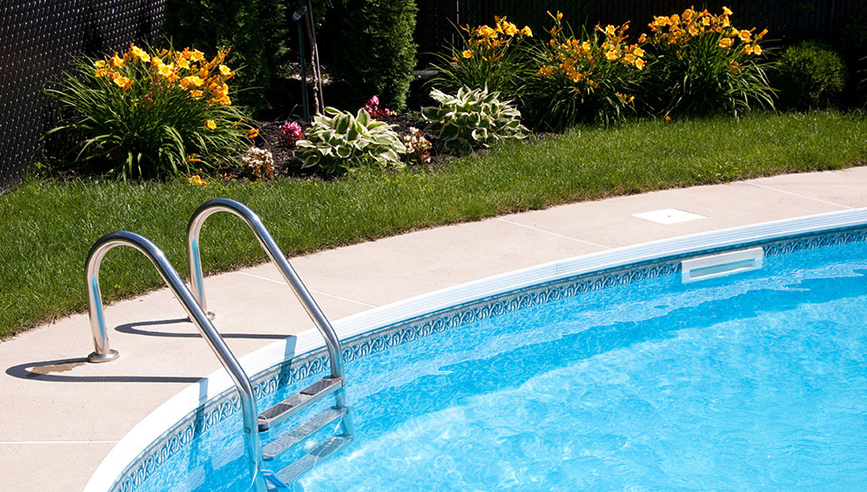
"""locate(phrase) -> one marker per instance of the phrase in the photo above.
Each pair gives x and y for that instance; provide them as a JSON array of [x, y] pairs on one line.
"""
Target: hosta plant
[[339, 142], [592, 78], [153, 114], [472, 118], [703, 64]]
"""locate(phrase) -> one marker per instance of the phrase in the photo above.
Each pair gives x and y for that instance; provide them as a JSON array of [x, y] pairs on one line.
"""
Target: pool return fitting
[[194, 303]]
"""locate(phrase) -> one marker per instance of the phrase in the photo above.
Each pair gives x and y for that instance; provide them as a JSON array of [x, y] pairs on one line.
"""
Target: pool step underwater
[[302, 432], [299, 401], [309, 460]]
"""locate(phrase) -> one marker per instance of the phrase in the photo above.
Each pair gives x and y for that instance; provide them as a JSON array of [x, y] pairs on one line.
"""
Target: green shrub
[[340, 142], [153, 115], [374, 50], [256, 30], [582, 81], [471, 119], [810, 75], [486, 57], [704, 65]]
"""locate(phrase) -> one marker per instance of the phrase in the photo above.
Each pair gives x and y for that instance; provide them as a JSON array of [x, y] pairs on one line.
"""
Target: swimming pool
[[604, 372]]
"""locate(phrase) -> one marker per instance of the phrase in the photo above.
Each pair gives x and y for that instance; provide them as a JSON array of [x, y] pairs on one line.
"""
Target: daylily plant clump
[[584, 79], [487, 57], [703, 64], [155, 114]]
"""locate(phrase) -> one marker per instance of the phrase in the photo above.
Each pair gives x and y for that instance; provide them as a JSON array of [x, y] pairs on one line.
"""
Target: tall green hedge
[[375, 52], [255, 30]]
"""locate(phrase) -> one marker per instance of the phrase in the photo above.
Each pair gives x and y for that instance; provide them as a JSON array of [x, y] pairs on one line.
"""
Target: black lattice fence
[[787, 20], [37, 38]]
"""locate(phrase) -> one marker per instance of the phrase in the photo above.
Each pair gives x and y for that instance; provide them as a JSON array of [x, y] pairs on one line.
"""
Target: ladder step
[[309, 460], [302, 432], [297, 402]]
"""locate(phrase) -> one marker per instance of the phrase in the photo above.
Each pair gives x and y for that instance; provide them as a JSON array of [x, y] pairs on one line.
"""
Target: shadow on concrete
[[48, 371], [133, 329]]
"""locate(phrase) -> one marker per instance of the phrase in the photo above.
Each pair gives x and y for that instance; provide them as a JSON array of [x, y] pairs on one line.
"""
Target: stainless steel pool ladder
[[195, 305], [104, 353], [332, 384]]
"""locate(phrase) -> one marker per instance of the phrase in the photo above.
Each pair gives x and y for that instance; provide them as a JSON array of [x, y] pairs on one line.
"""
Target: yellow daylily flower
[[210, 124], [139, 53], [122, 82], [191, 81], [467, 54], [166, 70], [116, 61], [196, 180]]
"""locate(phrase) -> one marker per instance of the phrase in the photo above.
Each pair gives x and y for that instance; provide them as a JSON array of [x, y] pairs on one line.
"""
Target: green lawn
[[47, 228]]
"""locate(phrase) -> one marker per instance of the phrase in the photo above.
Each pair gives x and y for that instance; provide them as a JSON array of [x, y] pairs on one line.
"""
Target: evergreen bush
[[810, 75], [374, 50], [255, 30]]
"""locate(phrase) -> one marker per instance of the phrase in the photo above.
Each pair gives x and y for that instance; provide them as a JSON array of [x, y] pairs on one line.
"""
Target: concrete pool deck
[[61, 416]]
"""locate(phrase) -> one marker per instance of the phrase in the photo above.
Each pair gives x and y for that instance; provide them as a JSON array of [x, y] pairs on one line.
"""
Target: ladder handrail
[[104, 353], [238, 209]]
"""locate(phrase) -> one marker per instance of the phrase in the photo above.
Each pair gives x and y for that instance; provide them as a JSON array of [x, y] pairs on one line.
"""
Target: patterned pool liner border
[[303, 366]]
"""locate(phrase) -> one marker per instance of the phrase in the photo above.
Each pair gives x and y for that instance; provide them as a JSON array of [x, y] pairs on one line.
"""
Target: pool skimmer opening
[[720, 265]]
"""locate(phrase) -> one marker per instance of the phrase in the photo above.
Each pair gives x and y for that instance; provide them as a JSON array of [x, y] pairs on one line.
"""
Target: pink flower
[[290, 133], [372, 108]]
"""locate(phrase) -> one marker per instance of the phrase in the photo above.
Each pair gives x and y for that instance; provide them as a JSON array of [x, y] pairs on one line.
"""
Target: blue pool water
[[756, 381]]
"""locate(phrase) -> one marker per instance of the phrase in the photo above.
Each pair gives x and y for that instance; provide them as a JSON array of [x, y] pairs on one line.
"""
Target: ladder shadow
[[133, 329], [46, 371]]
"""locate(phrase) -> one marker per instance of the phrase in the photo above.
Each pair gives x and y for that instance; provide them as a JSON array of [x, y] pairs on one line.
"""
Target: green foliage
[[152, 115], [575, 80], [374, 49], [256, 30], [473, 118], [810, 75], [704, 65], [342, 143], [487, 56]]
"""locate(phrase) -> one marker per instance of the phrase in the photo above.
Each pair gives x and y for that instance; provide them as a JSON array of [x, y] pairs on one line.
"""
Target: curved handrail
[[104, 353], [335, 355]]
